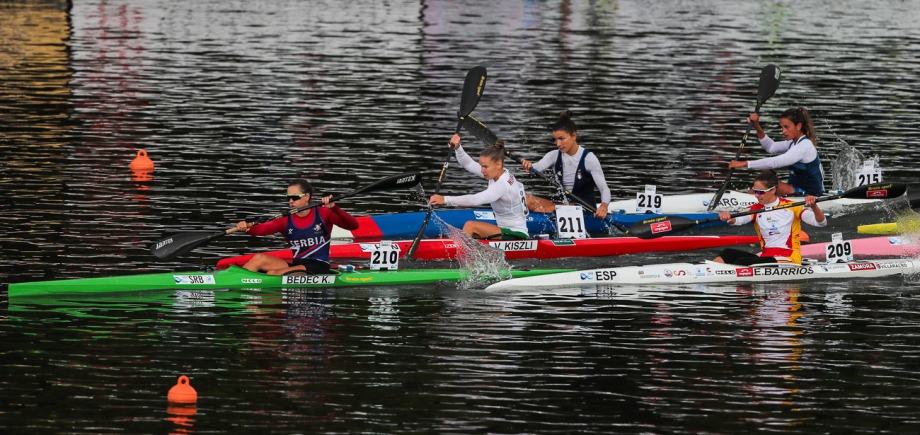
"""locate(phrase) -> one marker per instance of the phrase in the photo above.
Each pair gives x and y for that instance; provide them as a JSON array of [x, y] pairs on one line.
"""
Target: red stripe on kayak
[[367, 229], [446, 249]]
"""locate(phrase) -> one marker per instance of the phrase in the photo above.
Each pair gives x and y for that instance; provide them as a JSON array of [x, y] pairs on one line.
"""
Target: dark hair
[[565, 123], [798, 115], [768, 177], [304, 186], [495, 153]]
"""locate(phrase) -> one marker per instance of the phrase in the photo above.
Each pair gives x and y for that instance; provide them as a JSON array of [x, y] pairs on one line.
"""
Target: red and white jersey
[[779, 229]]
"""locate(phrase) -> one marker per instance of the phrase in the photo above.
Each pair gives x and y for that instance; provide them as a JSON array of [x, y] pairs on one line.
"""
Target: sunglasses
[[761, 192], [296, 196]]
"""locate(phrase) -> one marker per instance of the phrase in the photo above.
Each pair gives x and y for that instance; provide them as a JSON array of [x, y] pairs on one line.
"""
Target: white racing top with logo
[[505, 195]]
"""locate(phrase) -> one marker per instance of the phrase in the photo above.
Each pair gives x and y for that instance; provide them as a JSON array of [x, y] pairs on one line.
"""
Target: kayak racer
[[779, 229], [308, 233]]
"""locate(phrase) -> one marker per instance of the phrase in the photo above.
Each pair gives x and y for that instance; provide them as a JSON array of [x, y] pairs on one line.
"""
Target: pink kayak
[[869, 247]]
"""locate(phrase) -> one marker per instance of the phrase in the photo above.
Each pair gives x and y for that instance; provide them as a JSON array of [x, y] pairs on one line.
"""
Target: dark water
[[233, 99]]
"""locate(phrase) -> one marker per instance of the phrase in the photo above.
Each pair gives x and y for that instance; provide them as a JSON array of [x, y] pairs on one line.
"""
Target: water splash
[[907, 225], [485, 264], [559, 196], [844, 167], [417, 192]]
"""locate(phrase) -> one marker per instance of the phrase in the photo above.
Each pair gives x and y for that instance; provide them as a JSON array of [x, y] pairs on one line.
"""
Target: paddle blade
[[769, 83], [660, 226], [180, 244], [399, 181], [473, 86], [479, 130], [876, 191], [714, 202]]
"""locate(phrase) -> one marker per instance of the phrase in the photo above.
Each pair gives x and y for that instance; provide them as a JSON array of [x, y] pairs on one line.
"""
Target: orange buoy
[[141, 162], [182, 392]]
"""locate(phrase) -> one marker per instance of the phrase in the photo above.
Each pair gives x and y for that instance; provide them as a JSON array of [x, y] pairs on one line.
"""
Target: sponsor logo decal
[[744, 272], [484, 215], [251, 281], [408, 179], [896, 265], [587, 276], [730, 202], [660, 227], [308, 279], [862, 266], [725, 272], [878, 192], [650, 274], [164, 243], [194, 279]]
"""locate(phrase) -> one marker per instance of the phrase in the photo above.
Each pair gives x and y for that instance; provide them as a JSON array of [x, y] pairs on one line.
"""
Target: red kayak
[[446, 249]]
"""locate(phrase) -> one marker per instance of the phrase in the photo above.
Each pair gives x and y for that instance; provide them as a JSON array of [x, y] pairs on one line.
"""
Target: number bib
[[570, 222], [648, 201], [838, 250], [868, 174], [385, 256]]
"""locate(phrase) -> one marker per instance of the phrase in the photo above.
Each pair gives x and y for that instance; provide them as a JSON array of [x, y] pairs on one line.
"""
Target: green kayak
[[239, 278]]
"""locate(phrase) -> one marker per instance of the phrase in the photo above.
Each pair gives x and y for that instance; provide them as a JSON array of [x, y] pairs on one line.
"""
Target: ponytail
[[495, 153], [565, 123], [798, 115]]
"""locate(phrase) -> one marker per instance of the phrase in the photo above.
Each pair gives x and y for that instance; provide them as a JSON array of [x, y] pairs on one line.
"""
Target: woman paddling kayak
[[797, 152], [307, 232], [505, 194], [779, 229], [577, 169]]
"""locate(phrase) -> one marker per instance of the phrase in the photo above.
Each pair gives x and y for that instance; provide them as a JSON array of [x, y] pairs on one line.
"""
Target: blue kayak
[[406, 225]]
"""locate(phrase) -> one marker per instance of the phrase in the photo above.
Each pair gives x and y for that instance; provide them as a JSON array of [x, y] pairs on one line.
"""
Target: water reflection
[[234, 98], [183, 417]]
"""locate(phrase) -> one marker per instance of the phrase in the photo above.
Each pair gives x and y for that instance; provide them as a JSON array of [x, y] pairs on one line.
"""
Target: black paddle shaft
[[769, 82], [473, 85]]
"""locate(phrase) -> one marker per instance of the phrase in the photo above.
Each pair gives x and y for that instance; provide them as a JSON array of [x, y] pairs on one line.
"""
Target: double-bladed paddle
[[481, 132], [769, 82], [182, 243], [473, 86], [666, 225]]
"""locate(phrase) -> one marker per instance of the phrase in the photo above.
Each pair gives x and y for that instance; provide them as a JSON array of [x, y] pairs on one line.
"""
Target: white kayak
[[712, 272], [731, 201]]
